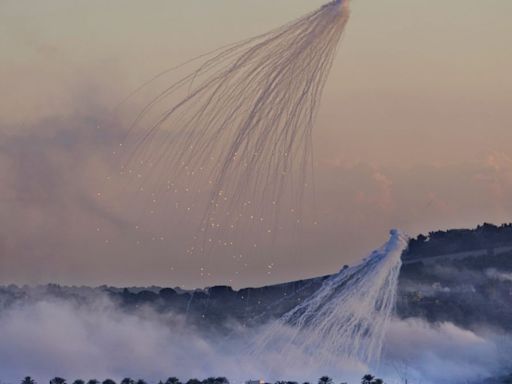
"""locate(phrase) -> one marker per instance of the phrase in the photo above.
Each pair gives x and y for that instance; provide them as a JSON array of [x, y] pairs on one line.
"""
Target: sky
[[413, 133]]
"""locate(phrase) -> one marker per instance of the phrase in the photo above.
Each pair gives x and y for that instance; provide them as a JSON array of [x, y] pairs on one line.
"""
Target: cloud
[[57, 229], [444, 353], [47, 189], [53, 337], [48, 336], [44, 336], [497, 174]]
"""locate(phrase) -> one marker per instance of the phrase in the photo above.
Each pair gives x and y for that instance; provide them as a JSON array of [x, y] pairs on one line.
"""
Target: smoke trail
[[348, 316], [243, 118]]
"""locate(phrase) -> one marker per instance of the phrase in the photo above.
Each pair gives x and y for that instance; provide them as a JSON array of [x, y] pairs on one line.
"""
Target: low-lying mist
[[45, 336]]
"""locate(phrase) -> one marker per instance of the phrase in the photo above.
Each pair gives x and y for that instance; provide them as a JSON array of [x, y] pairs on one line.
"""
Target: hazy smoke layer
[[45, 337], [445, 353]]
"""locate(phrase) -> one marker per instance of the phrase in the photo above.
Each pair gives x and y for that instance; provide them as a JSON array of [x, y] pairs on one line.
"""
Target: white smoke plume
[[493, 273], [348, 316], [243, 119]]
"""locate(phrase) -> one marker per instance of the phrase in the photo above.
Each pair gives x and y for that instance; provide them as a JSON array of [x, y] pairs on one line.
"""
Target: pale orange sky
[[414, 130]]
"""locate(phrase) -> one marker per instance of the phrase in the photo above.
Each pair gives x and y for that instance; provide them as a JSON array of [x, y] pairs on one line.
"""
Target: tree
[[194, 381], [28, 380], [78, 381], [370, 379], [58, 380], [172, 380], [108, 381], [140, 381], [127, 380], [325, 380], [215, 380], [93, 381]]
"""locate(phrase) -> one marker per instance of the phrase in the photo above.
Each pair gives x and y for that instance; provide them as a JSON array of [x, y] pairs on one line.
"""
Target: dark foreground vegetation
[[367, 379]]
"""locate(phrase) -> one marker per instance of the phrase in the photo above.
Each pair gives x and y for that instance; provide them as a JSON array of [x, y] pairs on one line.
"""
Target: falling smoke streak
[[243, 118], [245, 121], [347, 317]]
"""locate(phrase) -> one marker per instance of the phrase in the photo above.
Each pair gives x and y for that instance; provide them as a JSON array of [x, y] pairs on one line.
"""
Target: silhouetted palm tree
[[370, 379], [78, 381], [172, 380], [28, 380], [127, 380], [325, 380], [58, 380]]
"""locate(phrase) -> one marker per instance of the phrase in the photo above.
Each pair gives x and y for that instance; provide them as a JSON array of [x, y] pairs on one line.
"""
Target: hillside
[[461, 276]]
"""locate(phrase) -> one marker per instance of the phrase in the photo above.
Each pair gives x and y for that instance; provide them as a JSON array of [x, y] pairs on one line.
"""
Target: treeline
[[485, 236], [367, 379]]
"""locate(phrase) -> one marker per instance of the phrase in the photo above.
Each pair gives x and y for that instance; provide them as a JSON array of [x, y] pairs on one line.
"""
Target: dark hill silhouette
[[463, 276]]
